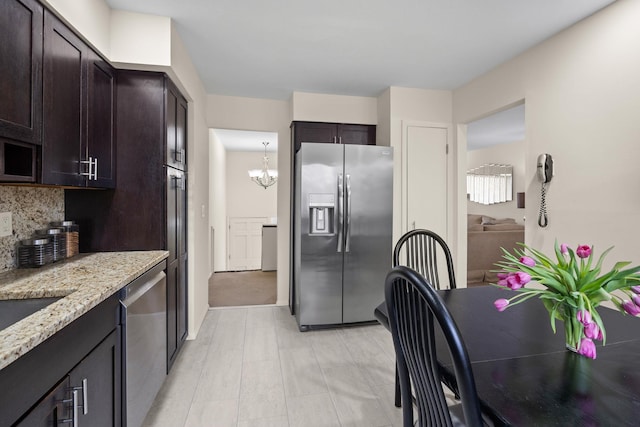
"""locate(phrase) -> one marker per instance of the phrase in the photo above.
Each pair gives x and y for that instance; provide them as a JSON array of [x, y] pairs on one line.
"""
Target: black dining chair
[[422, 250], [414, 307]]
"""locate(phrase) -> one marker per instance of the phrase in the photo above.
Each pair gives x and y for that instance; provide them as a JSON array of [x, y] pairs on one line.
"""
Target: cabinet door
[[100, 145], [20, 72], [181, 131], [357, 134], [64, 104], [52, 410], [98, 379], [176, 155], [173, 278], [314, 132], [181, 309]]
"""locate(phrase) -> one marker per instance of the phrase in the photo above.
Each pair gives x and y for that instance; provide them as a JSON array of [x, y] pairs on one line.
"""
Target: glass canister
[[72, 231], [58, 239], [35, 252]]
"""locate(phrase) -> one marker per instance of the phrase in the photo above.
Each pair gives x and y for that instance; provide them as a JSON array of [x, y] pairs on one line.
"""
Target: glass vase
[[572, 330]]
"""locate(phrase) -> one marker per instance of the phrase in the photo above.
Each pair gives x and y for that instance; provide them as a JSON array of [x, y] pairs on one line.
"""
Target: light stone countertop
[[84, 281]]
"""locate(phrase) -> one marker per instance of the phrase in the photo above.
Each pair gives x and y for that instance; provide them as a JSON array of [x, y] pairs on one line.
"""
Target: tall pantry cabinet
[[148, 209]]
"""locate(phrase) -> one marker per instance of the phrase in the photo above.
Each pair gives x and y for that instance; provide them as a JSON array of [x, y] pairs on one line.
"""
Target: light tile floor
[[251, 367]]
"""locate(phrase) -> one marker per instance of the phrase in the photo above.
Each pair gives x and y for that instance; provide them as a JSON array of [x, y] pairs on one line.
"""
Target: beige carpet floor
[[242, 288]]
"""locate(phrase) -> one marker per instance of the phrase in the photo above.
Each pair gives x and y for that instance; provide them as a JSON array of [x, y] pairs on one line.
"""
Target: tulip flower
[[587, 348], [528, 261], [636, 300], [631, 307], [584, 317], [518, 280], [636, 289], [501, 304], [564, 248], [591, 330], [505, 275], [583, 251]]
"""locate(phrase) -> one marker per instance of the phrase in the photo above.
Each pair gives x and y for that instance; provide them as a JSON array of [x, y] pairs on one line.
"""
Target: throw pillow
[[487, 220]]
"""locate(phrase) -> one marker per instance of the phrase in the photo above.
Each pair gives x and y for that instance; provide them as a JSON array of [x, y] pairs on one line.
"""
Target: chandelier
[[264, 177]]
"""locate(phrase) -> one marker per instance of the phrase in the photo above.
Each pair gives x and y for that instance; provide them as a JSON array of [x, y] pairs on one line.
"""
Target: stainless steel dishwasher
[[144, 323]]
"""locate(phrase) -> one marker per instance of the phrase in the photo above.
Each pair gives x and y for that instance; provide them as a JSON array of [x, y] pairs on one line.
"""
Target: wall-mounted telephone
[[545, 168], [545, 174]]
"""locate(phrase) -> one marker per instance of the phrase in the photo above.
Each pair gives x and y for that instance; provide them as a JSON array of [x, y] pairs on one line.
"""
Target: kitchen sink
[[14, 310]]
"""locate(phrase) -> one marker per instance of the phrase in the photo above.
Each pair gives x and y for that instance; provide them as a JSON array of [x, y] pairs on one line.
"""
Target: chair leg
[[398, 401]]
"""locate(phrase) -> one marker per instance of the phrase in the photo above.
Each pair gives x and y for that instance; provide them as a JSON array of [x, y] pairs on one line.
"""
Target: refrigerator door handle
[[340, 212], [347, 228]]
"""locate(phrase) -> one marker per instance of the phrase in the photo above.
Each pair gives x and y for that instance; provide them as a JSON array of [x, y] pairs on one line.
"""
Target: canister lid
[[52, 230], [35, 242]]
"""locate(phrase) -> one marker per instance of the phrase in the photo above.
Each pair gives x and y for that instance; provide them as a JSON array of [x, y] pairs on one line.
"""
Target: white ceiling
[[501, 128], [270, 48], [243, 140]]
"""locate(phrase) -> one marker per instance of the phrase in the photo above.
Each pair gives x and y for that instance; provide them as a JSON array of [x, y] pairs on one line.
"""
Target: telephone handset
[[545, 174], [545, 168]]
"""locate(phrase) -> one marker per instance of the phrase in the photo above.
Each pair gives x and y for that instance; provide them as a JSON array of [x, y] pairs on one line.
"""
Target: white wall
[[90, 19], [218, 200], [509, 154], [140, 39], [411, 105], [244, 197], [231, 112], [582, 93], [317, 107]]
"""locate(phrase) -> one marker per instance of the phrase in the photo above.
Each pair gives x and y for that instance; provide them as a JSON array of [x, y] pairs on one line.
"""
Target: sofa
[[485, 238]]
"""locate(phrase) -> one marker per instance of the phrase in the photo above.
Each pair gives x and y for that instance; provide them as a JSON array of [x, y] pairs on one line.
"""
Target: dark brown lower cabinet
[[85, 358], [98, 380], [53, 410]]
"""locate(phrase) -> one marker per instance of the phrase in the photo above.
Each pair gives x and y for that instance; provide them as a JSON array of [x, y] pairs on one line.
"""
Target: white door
[[245, 243], [425, 178]]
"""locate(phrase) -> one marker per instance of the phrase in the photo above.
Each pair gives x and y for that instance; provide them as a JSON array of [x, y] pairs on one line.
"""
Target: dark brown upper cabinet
[[176, 155], [21, 70], [78, 140], [332, 133], [20, 88], [100, 145]]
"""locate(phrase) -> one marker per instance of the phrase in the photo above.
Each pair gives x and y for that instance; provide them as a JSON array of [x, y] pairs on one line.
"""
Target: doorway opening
[[495, 217], [244, 218]]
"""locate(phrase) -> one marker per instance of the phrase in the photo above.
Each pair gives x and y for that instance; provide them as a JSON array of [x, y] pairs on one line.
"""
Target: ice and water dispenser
[[321, 211]]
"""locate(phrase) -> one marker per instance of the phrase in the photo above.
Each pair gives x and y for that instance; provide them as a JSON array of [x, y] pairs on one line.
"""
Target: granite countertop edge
[[82, 282]]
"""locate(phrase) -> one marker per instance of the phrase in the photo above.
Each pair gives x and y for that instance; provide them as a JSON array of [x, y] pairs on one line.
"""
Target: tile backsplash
[[31, 208]]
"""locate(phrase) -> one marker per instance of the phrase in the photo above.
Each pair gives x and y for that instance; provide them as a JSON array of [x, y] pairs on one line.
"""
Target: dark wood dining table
[[524, 374]]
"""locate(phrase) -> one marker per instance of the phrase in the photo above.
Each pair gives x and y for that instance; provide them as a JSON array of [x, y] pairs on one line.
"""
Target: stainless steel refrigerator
[[342, 232]]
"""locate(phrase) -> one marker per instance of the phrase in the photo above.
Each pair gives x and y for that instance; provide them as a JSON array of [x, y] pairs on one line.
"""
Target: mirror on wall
[[490, 183]]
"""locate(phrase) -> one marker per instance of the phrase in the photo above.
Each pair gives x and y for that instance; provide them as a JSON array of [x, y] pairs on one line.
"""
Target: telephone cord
[[542, 218]]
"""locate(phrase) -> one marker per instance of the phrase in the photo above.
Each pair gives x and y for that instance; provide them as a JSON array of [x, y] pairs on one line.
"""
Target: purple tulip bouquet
[[573, 288]]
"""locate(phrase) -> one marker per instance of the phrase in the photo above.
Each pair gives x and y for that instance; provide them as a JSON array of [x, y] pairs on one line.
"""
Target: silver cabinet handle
[[85, 399], [340, 212], [93, 168], [179, 155], [74, 405], [339, 140], [180, 182], [347, 231]]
